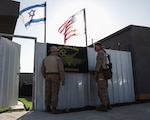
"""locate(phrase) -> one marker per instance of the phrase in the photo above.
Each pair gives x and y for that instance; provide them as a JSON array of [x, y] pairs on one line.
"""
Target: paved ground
[[129, 112]]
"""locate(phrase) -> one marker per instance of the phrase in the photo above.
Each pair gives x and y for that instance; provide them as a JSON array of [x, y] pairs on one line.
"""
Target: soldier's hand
[[92, 72], [95, 76], [63, 82]]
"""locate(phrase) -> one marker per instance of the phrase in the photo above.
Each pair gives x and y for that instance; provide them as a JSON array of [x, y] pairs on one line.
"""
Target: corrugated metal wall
[[25, 84], [80, 89], [9, 67], [25, 78]]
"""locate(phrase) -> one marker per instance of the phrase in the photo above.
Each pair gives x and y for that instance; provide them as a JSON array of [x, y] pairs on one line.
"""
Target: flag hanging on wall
[[33, 14], [75, 25]]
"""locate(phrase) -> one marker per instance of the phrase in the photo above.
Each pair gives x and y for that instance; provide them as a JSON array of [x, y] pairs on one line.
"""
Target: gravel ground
[[12, 115]]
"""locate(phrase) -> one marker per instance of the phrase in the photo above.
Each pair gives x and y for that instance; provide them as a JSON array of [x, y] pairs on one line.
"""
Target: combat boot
[[55, 111], [48, 109], [102, 108], [109, 107]]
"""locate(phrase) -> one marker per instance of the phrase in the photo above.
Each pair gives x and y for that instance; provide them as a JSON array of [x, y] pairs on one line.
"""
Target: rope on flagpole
[[45, 24], [84, 13]]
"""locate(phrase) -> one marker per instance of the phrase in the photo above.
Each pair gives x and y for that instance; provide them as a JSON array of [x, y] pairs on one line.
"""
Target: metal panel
[[121, 87], [9, 67], [39, 83], [81, 89], [25, 78]]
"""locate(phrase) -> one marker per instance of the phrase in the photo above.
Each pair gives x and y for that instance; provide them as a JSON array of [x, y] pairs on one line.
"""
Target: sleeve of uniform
[[98, 64], [61, 69], [43, 70], [99, 60]]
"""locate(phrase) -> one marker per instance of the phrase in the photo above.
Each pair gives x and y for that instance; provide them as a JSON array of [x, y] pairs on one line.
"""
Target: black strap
[[109, 64]]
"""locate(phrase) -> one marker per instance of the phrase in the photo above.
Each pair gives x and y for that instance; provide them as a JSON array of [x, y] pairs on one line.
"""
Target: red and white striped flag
[[75, 25]]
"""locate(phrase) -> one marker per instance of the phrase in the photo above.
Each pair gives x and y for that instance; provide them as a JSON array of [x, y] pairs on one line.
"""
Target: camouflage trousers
[[52, 84], [103, 91]]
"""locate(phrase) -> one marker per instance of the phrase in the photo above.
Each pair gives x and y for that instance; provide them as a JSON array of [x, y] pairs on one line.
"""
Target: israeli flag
[[33, 15]]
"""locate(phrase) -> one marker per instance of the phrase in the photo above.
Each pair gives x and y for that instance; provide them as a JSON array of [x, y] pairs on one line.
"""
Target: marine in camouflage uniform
[[52, 70], [102, 83]]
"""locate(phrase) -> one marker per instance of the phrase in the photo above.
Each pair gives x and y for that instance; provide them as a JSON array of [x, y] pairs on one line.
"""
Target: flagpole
[[84, 14], [45, 24]]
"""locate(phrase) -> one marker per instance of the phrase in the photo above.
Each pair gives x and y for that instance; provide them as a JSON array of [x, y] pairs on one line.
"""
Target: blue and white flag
[[34, 14]]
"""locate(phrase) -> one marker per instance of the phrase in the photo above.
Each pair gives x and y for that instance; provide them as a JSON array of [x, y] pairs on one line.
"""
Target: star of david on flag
[[34, 14]]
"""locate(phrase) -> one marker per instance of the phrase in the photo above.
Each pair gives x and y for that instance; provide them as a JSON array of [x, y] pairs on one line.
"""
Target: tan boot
[[55, 111], [102, 108], [109, 107], [48, 109]]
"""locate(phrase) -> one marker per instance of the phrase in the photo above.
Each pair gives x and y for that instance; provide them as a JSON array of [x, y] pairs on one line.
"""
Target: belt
[[51, 73]]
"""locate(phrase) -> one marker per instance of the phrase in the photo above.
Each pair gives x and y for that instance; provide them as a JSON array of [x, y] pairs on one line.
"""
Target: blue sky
[[103, 17]]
